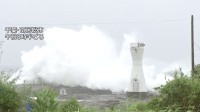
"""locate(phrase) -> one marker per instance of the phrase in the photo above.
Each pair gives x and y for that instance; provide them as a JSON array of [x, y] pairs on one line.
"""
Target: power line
[[118, 22], [197, 46]]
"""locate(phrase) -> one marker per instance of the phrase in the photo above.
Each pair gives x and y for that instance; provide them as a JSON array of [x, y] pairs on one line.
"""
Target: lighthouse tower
[[137, 84]]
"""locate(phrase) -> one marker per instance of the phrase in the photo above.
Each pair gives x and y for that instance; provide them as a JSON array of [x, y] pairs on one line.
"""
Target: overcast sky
[[163, 25]]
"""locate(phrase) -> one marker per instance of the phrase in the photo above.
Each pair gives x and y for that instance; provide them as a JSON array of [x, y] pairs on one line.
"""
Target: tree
[[196, 72]]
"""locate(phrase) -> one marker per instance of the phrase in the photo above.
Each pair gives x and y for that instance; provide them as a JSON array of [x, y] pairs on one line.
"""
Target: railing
[[137, 44]]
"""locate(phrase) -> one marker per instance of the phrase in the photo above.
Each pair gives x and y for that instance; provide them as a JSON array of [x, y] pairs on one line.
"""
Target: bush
[[10, 99], [180, 95], [45, 102], [24, 91], [70, 106], [196, 72], [138, 107], [88, 109]]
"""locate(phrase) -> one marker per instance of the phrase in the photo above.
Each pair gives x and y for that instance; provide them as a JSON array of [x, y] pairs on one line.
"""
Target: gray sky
[[163, 25]]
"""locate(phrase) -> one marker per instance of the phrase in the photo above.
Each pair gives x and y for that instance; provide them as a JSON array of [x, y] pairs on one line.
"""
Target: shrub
[[196, 72], [138, 107], [88, 109], [70, 106], [10, 99], [46, 101], [180, 95]]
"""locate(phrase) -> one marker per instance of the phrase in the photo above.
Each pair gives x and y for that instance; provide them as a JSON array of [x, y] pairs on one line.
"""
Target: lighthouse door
[[63, 92], [135, 85]]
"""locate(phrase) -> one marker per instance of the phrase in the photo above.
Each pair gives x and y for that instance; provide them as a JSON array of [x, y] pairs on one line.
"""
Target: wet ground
[[88, 97], [103, 100]]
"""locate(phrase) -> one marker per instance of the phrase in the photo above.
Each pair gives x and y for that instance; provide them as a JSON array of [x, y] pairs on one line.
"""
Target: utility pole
[[192, 44]]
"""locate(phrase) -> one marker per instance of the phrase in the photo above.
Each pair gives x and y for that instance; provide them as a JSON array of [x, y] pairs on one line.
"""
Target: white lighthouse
[[137, 81]]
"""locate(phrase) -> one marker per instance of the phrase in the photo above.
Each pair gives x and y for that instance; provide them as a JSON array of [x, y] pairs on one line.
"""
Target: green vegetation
[[70, 106], [196, 73], [10, 99], [45, 102], [182, 94]]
